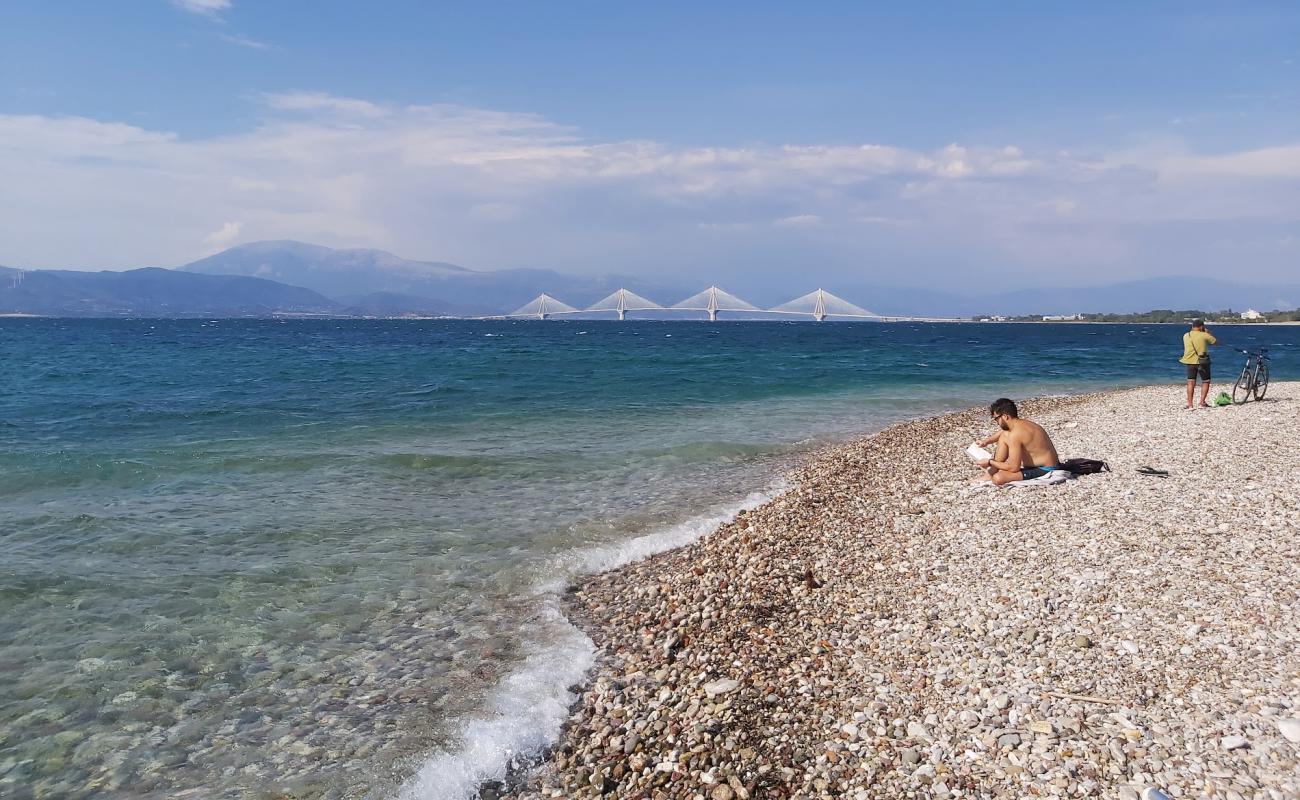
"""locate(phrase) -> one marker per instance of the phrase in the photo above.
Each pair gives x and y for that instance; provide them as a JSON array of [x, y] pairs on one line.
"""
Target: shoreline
[[417, 318], [804, 649]]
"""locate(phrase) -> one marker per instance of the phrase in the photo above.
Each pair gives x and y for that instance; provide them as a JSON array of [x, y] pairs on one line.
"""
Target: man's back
[[1038, 450], [1196, 344]]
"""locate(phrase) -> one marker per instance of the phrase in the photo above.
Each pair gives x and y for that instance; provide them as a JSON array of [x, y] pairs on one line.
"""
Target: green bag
[[1223, 399]]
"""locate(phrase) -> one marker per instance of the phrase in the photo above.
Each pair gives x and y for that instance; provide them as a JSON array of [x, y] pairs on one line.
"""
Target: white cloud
[[1268, 162], [322, 102], [490, 188], [210, 8], [223, 237]]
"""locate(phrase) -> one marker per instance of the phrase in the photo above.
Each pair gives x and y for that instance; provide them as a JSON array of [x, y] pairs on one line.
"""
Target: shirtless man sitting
[[1025, 451]]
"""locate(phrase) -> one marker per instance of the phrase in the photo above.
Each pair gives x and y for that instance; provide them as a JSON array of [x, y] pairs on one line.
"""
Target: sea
[[326, 558]]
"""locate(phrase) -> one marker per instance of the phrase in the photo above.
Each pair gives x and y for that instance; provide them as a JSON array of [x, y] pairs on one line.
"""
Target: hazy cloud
[[223, 237], [489, 189], [319, 101], [209, 8], [799, 221], [243, 41]]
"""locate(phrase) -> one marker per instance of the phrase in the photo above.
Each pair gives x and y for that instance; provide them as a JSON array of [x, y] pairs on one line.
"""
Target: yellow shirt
[[1195, 345]]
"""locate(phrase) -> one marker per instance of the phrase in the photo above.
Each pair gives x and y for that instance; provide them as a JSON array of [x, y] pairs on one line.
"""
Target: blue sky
[[903, 143]]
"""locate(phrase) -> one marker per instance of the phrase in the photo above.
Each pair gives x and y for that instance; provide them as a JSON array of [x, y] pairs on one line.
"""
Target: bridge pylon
[[820, 304], [712, 300], [623, 301], [543, 306]]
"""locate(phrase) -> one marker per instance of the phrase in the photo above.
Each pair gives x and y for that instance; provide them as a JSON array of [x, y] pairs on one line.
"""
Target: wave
[[523, 716], [526, 711]]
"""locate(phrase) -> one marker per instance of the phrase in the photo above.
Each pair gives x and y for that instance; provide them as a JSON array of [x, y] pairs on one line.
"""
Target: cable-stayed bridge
[[818, 304]]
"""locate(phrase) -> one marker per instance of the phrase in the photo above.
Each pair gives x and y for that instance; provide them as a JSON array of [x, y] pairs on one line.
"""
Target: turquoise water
[[321, 558]]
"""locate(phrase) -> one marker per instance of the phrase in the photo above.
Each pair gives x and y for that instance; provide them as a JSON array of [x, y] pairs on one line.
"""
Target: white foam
[[607, 557], [523, 715], [526, 711]]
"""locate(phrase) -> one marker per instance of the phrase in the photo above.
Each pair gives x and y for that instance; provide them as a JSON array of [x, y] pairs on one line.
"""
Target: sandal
[[1156, 473]]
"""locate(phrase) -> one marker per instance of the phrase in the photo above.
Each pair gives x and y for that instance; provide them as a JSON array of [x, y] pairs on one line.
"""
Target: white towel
[[1050, 479]]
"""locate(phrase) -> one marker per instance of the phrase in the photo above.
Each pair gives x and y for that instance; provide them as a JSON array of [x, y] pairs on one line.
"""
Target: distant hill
[[1136, 296], [152, 292], [285, 277], [343, 274], [1121, 298]]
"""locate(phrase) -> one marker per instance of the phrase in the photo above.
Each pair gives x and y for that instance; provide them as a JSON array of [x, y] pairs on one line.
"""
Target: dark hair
[[1198, 323], [1002, 406]]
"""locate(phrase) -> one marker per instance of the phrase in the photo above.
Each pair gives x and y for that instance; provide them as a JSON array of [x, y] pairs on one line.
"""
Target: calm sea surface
[[322, 558]]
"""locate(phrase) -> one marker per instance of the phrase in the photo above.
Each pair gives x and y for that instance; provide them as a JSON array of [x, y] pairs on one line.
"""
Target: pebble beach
[[885, 629]]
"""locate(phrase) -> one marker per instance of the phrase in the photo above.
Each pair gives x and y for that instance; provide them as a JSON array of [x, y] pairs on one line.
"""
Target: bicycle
[[1254, 377]]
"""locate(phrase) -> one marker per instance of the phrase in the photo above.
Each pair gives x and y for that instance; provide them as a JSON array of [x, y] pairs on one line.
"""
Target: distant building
[[1062, 317], [1251, 313]]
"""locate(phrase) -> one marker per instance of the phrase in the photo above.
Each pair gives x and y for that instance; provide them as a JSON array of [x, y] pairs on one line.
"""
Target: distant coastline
[[415, 318], [277, 279]]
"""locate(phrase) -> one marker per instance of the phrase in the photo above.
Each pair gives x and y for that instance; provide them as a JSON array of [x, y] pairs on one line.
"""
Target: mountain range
[[294, 278], [361, 273], [152, 292]]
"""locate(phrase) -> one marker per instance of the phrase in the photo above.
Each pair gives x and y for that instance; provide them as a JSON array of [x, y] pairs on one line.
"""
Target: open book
[[977, 453]]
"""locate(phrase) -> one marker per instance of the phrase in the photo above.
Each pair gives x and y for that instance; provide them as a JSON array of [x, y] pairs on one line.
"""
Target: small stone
[[1082, 642], [911, 756], [722, 792], [724, 686], [1041, 726], [1290, 728], [1009, 740], [1129, 646], [1152, 793], [301, 749], [1233, 742]]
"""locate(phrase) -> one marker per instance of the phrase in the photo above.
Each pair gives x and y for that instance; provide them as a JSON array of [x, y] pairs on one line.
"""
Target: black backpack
[[1084, 466]]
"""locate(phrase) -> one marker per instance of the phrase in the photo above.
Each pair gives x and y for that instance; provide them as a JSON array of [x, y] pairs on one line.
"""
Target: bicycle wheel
[[1261, 381], [1242, 388]]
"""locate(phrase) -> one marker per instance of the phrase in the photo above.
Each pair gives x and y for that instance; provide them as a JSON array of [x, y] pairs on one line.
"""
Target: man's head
[[1198, 324], [1002, 410]]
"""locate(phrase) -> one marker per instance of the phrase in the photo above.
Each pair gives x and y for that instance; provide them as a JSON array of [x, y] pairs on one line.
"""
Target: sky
[[958, 145]]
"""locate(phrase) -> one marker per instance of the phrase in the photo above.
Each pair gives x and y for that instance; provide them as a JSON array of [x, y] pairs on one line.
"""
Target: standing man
[[1196, 355]]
